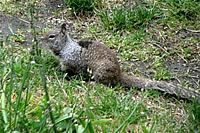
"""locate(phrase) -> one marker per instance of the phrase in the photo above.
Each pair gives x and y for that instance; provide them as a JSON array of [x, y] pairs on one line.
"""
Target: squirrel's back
[[102, 62]]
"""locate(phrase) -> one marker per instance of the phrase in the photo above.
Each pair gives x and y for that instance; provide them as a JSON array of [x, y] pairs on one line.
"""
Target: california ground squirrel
[[102, 63]]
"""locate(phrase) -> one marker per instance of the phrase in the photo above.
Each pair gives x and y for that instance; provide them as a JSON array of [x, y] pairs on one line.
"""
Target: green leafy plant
[[83, 6]]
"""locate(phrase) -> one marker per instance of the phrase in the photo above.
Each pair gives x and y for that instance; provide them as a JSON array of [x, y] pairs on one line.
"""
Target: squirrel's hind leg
[[106, 73]]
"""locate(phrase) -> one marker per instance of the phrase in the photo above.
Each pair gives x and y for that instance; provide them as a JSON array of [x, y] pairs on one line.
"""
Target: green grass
[[184, 9], [82, 7], [36, 95], [118, 18], [80, 102]]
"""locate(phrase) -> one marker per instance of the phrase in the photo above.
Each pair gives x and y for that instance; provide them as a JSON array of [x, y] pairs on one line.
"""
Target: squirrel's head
[[57, 39]]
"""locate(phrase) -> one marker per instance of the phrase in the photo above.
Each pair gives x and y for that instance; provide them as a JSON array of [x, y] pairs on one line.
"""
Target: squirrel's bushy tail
[[139, 83]]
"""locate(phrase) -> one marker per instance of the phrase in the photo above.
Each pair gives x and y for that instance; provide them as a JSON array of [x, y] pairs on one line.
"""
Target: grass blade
[[131, 114]]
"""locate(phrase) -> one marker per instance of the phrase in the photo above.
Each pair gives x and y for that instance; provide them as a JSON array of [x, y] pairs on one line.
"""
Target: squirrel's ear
[[68, 38], [63, 28]]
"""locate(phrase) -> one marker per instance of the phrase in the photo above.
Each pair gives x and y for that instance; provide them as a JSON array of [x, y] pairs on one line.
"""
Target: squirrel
[[102, 63]]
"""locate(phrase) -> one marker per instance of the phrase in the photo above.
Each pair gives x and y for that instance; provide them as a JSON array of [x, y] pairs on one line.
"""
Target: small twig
[[163, 49], [188, 31], [193, 31], [95, 37], [154, 43], [27, 22], [188, 70], [178, 80], [24, 20], [77, 17], [190, 76], [182, 57], [195, 82], [196, 69]]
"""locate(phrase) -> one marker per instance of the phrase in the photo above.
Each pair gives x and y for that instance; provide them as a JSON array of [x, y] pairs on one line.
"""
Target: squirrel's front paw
[[63, 67]]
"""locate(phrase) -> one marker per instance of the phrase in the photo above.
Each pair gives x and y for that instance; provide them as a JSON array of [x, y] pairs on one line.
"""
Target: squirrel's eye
[[51, 36]]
